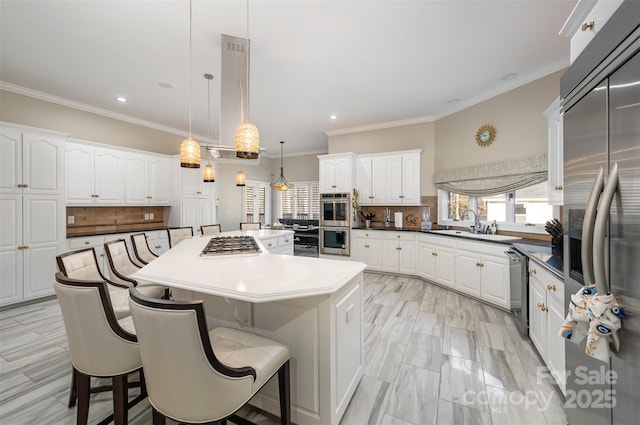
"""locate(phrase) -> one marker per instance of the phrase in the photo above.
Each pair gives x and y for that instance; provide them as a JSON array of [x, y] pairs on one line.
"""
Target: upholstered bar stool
[[100, 346], [250, 226], [211, 229], [198, 376], [121, 267], [141, 249], [83, 265], [178, 234]]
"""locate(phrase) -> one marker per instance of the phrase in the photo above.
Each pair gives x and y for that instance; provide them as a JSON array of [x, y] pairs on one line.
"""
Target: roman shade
[[493, 178]]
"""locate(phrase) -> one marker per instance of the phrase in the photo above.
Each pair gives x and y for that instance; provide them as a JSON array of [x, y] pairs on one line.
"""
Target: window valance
[[494, 178]]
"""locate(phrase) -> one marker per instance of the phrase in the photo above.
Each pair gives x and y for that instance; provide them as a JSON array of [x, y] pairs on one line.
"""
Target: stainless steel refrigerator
[[601, 118]]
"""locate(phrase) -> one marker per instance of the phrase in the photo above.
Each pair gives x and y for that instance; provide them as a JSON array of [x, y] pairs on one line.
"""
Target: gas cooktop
[[230, 245]]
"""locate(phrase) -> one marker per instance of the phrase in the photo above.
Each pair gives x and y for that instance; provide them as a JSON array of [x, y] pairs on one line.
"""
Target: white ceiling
[[368, 62]]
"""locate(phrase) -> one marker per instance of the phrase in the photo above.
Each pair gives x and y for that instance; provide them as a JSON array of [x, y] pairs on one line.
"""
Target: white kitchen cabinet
[[147, 179], [546, 315], [371, 179], [555, 154], [403, 179], [336, 173], [31, 235], [483, 271], [391, 178], [399, 252], [193, 186], [197, 212], [436, 259], [94, 175], [366, 247], [158, 241], [279, 244], [31, 161], [586, 20]]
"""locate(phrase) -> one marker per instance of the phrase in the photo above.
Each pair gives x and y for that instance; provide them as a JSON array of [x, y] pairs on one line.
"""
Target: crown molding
[[87, 108], [380, 126]]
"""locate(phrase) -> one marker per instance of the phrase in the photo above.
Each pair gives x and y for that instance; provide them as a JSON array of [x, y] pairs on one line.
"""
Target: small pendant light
[[241, 179], [189, 148], [282, 183], [247, 136], [209, 174]]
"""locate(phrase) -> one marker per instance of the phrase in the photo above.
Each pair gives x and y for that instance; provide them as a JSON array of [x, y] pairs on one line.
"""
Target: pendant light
[[189, 148], [241, 179], [247, 136], [281, 183], [209, 174]]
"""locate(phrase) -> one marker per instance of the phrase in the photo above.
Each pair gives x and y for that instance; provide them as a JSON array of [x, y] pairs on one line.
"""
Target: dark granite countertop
[[545, 255], [436, 233]]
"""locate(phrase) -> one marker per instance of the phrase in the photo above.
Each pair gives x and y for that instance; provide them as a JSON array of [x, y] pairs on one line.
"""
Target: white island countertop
[[255, 278]]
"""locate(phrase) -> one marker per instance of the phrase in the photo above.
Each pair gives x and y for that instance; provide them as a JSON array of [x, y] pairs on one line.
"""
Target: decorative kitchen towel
[[603, 315]]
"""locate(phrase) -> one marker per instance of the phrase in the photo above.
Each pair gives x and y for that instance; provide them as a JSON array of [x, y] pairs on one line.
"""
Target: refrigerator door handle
[[588, 228], [600, 231]]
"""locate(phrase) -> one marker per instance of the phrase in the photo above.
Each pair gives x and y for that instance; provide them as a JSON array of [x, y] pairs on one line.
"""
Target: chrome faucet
[[476, 227]]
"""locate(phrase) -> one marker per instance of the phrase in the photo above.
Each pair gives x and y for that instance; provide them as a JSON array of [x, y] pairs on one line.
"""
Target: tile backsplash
[[411, 215], [101, 220]]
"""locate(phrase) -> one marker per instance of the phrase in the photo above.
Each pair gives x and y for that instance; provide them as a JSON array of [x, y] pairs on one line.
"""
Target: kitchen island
[[313, 305]]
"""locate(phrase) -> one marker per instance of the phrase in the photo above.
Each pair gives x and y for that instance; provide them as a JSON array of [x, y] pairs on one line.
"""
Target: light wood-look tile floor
[[432, 357]]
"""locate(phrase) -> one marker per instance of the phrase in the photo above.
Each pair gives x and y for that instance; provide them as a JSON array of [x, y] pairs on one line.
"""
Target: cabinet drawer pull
[[401, 196], [551, 287], [366, 246], [371, 197], [95, 196], [435, 254], [588, 25], [398, 248], [23, 246], [532, 271], [559, 187]]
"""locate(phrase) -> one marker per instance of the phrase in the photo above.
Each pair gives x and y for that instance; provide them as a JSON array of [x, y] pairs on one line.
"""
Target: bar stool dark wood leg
[[83, 383], [73, 392], [285, 394], [158, 418], [120, 399]]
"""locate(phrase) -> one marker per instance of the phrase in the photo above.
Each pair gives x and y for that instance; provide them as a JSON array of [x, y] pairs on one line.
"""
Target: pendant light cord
[[248, 64], [190, 64]]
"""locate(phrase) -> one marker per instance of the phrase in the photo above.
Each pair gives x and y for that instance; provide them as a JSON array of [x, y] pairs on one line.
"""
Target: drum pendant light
[[241, 179], [189, 148], [247, 136], [282, 183], [209, 174]]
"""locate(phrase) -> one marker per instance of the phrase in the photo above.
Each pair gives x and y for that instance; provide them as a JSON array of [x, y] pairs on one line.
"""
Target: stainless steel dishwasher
[[518, 283]]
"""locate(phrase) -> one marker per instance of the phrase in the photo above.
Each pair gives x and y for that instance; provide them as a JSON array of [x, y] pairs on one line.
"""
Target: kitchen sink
[[480, 236]]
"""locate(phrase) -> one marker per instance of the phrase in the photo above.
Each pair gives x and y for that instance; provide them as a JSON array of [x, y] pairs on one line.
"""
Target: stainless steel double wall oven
[[334, 223]]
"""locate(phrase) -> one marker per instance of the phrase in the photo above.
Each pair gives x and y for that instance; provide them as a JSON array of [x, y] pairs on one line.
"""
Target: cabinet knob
[[532, 271], [551, 287], [286, 241], [366, 234], [158, 247], [149, 197], [87, 243], [95, 196], [371, 197], [366, 246], [333, 186], [588, 25], [23, 246], [559, 187], [22, 185], [401, 196], [198, 193], [480, 264], [435, 254], [398, 248], [269, 244]]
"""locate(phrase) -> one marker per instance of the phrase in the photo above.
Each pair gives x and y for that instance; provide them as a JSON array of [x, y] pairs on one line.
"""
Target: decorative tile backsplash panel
[[101, 220]]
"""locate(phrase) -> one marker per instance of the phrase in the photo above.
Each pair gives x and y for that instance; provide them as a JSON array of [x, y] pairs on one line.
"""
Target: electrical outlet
[[146, 216], [151, 216], [71, 219]]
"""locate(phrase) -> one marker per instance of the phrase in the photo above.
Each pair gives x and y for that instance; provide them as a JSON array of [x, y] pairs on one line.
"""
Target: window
[[523, 206], [302, 202], [257, 202]]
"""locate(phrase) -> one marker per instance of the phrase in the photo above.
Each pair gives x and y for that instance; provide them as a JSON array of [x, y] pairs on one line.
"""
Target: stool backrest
[[178, 234], [121, 265], [250, 226], [81, 264], [211, 229], [141, 248]]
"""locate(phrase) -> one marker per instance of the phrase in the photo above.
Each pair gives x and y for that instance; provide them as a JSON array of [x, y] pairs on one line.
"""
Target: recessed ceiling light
[[121, 99], [333, 117], [165, 85], [453, 101], [509, 76]]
